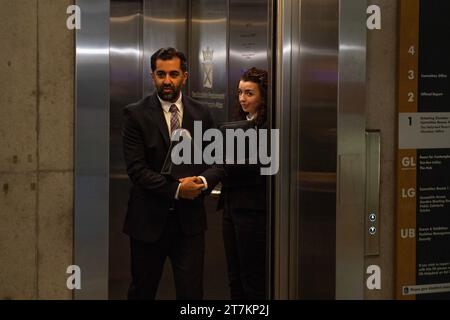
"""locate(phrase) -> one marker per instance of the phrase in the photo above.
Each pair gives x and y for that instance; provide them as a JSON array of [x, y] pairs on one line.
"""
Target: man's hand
[[197, 180], [190, 188]]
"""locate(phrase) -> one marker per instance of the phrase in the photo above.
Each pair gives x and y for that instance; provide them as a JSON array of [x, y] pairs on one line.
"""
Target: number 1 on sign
[[410, 121]]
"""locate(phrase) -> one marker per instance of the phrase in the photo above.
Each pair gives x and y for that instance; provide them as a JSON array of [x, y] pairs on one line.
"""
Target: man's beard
[[171, 96]]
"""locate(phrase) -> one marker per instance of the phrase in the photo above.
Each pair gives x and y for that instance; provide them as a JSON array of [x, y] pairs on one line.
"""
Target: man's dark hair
[[167, 54]]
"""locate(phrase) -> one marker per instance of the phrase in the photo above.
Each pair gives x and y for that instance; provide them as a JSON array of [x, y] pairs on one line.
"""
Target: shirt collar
[[166, 104], [253, 117]]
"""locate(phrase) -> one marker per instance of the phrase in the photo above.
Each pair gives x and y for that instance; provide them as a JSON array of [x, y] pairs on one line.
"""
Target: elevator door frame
[[92, 148], [350, 170], [92, 95]]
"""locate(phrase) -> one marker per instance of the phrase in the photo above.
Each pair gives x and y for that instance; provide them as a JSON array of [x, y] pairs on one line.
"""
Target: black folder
[[241, 124], [177, 171], [235, 125]]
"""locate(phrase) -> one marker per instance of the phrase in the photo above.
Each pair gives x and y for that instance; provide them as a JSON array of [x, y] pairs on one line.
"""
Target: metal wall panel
[[248, 42], [351, 150], [317, 142], [321, 116], [208, 55], [306, 113], [126, 87], [281, 236], [92, 149], [165, 25]]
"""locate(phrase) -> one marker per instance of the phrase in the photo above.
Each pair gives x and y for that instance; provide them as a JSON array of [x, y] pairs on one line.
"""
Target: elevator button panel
[[372, 216]]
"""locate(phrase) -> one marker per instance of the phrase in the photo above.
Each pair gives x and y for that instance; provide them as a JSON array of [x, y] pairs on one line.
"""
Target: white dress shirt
[[166, 107], [167, 114]]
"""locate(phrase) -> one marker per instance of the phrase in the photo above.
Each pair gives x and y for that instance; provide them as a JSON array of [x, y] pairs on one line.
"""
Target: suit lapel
[[188, 119], [157, 114]]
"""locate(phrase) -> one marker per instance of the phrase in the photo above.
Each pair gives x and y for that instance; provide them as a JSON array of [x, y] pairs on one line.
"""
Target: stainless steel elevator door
[[306, 114], [126, 87], [318, 75], [320, 110]]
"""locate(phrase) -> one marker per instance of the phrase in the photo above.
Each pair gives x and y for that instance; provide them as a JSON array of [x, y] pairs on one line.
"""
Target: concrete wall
[[36, 149], [382, 115]]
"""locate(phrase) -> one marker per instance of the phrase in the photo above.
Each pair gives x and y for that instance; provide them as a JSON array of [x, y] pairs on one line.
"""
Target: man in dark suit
[[166, 216]]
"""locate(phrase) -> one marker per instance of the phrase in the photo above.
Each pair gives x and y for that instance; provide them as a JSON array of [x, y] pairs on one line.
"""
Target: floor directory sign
[[423, 157]]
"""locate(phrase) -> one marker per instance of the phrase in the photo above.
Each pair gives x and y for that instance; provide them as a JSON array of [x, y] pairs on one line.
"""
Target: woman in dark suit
[[243, 199]]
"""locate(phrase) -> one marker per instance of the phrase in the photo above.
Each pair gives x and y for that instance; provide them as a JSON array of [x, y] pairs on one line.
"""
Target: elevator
[[221, 39], [314, 52]]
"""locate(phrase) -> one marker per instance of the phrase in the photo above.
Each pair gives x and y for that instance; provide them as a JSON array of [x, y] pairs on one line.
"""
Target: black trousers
[[244, 234], [186, 254]]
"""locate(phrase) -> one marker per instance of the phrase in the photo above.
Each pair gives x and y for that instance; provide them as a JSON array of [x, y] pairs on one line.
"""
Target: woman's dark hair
[[167, 54], [259, 77]]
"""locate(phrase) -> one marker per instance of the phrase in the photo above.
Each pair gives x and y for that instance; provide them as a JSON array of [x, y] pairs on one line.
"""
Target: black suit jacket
[[145, 143], [243, 186]]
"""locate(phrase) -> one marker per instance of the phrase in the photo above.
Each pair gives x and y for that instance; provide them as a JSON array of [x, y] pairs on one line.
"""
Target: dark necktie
[[174, 118]]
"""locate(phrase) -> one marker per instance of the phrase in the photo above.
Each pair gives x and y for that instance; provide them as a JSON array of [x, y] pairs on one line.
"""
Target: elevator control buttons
[[372, 220], [372, 214]]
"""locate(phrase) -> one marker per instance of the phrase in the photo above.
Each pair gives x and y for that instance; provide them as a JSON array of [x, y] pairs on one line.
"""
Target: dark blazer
[[243, 186], [145, 145]]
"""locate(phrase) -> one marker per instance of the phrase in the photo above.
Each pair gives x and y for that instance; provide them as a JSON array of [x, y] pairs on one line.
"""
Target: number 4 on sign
[[74, 20]]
